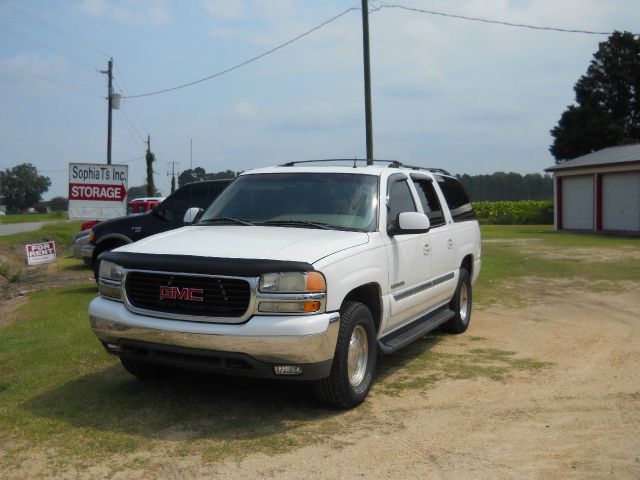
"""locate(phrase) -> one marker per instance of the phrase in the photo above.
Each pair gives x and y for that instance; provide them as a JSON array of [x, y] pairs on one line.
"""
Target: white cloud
[[94, 7], [246, 110], [154, 12], [224, 9]]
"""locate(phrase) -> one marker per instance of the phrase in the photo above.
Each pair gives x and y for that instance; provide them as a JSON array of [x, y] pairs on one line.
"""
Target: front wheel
[[354, 362], [461, 305]]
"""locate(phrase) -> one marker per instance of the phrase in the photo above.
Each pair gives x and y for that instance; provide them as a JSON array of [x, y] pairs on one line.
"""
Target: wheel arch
[[467, 264], [110, 242], [370, 296]]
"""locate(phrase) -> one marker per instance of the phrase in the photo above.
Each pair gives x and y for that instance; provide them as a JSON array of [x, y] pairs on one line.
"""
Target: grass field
[[33, 217], [61, 393]]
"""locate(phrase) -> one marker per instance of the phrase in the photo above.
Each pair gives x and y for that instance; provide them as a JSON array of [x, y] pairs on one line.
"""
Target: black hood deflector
[[235, 267]]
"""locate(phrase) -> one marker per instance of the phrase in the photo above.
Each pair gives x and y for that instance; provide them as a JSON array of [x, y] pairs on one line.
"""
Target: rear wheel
[[461, 305], [354, 362]]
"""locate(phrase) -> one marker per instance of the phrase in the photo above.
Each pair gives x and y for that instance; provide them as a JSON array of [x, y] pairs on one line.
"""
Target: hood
[[117, 224], [231, 241]]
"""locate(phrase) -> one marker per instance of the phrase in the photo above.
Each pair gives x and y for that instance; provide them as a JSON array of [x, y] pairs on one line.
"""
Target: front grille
[[221, 297]]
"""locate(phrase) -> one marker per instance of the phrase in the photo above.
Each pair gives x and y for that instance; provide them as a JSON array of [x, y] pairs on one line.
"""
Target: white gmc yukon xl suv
[[303, 271]]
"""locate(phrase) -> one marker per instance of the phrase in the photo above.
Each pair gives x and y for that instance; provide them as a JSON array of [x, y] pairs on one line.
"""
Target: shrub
[[515, 213]]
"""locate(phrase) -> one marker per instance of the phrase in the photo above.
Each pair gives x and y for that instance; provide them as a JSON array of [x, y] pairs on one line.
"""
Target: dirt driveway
[[575, 416]]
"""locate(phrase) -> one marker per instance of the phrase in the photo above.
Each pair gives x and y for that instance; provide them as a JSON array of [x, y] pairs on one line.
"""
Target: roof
[[624, 154]]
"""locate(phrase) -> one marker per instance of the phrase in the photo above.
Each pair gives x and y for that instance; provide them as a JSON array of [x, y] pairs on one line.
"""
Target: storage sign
[[38, 253], [97, 191]]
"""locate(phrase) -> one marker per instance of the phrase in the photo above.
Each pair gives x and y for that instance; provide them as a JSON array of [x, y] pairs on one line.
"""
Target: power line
[[131, 124], [42, 77], [495, 22], [128, 129], [125, 89], [46, 47], [246, 62], [55, 29]]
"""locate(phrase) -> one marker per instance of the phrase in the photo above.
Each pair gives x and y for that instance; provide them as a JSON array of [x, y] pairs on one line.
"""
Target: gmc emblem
[[177, 293]]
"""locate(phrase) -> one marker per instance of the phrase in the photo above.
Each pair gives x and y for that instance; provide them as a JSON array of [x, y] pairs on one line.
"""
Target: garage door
[[577, 202], [621, 201]]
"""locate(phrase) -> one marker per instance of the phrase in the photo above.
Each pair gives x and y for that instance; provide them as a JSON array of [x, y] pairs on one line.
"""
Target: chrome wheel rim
[[464, 302], [358, 355]]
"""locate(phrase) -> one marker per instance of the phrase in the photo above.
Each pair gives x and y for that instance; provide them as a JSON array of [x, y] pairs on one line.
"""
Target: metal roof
[[605, 157]]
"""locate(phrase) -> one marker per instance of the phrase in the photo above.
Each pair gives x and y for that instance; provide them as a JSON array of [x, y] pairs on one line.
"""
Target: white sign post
[[39, 253], [97, 191]]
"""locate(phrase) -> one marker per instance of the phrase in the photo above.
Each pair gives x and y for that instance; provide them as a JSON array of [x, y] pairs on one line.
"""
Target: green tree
[[59, 204], [608, 101], [151, 187], [198, 174], [140, 191], [21, 187], [501, 186]]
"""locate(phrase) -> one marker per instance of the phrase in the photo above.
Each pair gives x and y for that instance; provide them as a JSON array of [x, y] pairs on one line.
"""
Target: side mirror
[[191, 215], [411, 222]]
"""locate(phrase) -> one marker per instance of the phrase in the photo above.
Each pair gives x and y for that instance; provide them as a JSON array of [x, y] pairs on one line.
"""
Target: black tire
[[461, 305], [339, 388], [142, 370]]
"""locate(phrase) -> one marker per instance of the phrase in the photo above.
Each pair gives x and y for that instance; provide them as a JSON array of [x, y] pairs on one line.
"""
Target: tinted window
[[429, 201], [197, 194], [400, 200], [457, 199]]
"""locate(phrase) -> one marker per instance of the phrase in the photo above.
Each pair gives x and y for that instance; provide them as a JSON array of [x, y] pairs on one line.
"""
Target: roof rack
[[392, 164], [414, 167], [354, 160]]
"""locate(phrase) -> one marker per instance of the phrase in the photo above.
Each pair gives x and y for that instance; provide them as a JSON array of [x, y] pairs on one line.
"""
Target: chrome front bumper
[[79, 242], [87, 252], [270, 339]]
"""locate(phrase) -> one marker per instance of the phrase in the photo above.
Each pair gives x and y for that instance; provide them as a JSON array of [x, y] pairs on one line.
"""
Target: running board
[[416, 329]]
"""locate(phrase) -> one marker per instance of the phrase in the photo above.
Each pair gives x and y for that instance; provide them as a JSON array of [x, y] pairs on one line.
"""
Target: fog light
[[287, 370], [112, 347]]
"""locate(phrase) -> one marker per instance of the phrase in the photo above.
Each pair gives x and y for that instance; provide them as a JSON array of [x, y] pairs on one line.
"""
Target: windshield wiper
[[298, 223], [226, 220]]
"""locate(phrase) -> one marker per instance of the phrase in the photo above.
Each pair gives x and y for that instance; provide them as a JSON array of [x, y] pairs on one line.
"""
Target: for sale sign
[[97, 191], [39, 253]]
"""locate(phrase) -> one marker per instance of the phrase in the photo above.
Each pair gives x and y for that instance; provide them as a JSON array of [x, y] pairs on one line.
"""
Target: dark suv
[[167, 215]]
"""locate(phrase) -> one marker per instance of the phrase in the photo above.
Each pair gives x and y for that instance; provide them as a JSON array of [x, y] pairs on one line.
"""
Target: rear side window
[[429, 201], [457, 199]]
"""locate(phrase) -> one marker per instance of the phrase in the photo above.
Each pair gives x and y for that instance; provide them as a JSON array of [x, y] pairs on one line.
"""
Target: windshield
[[309, 200]]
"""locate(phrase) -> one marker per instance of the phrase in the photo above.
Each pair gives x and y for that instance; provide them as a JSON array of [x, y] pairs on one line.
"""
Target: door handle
[[450, 243], [426, 249]]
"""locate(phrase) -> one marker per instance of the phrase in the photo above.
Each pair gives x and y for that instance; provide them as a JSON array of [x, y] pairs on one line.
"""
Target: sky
[[465, 96]]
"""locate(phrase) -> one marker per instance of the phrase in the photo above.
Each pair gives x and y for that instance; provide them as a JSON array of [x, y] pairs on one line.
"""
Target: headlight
[[292, 292], [91, 235], [292, 282], [110, 280]]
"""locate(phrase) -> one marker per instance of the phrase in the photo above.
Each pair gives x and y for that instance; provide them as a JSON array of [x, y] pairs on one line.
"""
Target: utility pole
[[367, 81], [173, 175], [109, 72]]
